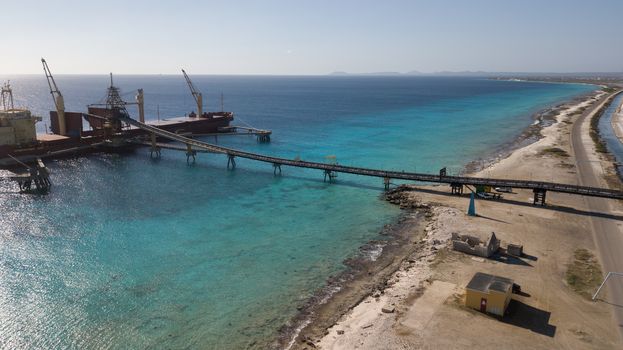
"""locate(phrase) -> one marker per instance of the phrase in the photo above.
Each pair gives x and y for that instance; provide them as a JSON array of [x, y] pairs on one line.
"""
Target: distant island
[[414, 73]]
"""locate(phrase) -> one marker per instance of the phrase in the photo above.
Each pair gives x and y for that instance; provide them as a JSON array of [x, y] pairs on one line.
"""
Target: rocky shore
[[420, 282]]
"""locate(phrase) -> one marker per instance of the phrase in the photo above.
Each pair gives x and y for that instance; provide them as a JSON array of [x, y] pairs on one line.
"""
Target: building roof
[[484, 282]]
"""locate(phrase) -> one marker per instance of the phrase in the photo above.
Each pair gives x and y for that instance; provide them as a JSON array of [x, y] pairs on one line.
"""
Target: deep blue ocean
[[129, 252]]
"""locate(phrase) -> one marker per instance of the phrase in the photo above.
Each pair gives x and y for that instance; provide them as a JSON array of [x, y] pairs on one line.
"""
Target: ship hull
[[56, 146]]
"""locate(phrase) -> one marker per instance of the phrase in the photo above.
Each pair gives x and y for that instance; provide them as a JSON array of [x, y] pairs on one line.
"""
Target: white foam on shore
[[296, 333], [375, 251], [329, 293]]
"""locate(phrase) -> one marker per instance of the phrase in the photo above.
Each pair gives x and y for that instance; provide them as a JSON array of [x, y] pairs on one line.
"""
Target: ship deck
[[177, 120], [51, 137]]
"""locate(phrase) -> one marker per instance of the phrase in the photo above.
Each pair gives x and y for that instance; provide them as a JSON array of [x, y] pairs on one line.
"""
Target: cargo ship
[[69, 137]]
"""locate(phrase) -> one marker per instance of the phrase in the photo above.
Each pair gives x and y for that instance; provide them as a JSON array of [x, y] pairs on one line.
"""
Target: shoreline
[[363, 273], [413, 315], [316, 318], [617, 123], [529, 135]]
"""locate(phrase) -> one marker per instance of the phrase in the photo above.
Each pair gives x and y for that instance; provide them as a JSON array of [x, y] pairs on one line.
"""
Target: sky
[[297, 37]]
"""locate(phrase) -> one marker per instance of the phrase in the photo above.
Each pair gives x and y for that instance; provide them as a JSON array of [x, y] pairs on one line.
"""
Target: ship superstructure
[[17, 125]]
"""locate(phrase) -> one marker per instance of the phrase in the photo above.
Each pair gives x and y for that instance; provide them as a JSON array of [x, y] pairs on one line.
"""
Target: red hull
[[54, 146]]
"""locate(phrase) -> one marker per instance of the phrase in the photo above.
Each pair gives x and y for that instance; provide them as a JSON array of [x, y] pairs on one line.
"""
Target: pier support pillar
[[154, 152], [457, 188], [539, 196], [263, 138], [276, 167], [231, 162], [386, 183], [330, 175], [39, 176], [443, 172], [471, 210], [190, 153], [154, 147]]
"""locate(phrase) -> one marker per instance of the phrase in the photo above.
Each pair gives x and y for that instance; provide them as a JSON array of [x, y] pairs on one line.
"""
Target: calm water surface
[[129, 252], [613, 144]]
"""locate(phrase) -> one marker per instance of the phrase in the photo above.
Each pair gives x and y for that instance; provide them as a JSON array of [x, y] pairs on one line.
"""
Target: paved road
[[607, 233]]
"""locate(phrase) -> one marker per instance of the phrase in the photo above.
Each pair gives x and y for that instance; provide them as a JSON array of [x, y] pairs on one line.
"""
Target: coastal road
[[607, 233]]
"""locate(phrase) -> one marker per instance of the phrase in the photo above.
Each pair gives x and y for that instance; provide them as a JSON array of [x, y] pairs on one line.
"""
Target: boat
[[68, 137]]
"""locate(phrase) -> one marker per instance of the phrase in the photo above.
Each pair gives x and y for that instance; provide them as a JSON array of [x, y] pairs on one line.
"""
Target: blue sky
[[311, 37]]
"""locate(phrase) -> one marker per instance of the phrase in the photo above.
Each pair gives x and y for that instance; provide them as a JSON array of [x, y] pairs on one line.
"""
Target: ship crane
[[59, 102], [196, 94], [7, 97]]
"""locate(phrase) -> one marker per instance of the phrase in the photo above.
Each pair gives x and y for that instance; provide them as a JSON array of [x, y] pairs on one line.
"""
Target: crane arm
[[196, 93], [51, 83], [59, 102]]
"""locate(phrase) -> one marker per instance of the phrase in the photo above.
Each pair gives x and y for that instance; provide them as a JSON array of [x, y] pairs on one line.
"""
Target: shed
[[489, 293]]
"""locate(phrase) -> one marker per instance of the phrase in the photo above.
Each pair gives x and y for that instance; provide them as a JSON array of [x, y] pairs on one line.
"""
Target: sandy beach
[[421, 303]]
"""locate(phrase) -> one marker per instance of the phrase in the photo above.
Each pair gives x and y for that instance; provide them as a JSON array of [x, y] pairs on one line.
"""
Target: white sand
[[417, 294]]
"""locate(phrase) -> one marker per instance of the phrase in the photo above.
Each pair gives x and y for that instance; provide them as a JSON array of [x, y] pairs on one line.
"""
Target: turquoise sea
[[127, 252]]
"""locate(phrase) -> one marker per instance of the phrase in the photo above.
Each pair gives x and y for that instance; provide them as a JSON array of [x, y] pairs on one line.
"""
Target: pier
[[39, 176], [457, 183], [262, 135]]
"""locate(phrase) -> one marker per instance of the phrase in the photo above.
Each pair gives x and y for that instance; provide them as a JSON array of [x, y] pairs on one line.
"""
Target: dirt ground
[[424, 306]]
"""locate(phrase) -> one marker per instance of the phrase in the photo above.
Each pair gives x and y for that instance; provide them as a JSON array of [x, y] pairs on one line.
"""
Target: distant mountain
[[367, 74], [416, 73], [466, 73]]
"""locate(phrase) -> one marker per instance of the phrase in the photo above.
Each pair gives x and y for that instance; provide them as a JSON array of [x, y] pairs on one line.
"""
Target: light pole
[[604, 282]]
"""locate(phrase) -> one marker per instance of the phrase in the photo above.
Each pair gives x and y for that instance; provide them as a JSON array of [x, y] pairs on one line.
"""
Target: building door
[[483, 305]]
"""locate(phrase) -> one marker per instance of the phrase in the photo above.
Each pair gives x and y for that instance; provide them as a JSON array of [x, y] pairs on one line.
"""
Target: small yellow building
[[489, 293]]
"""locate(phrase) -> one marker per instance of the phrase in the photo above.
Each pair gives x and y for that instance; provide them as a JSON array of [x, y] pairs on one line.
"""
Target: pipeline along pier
[[539, 188]]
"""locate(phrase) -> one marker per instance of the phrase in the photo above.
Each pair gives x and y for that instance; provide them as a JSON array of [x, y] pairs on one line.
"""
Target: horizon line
[[342, 73]]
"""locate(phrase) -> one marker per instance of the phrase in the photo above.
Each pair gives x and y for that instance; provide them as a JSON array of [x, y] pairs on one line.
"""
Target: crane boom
[[196, 94], [59, 102]]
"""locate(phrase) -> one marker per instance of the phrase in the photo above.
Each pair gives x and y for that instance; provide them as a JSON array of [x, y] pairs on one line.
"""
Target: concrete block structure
[[489, 293], [515, 249]]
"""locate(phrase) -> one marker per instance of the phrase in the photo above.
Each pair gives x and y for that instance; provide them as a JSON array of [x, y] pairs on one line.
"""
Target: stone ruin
[[474, 246]]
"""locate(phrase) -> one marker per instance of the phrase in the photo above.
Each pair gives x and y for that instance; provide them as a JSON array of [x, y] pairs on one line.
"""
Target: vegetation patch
[[600, 145], [566, 165], [555, 151], [608, 89], [583, 274], [579, 111]]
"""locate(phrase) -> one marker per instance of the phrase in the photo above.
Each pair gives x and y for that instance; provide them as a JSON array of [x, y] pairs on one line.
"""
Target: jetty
[[457, 183], [37, 175]]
